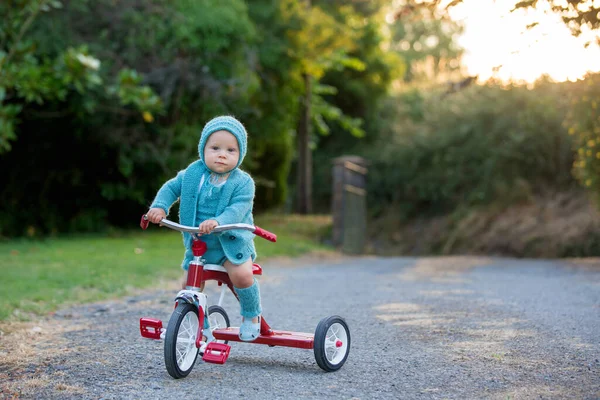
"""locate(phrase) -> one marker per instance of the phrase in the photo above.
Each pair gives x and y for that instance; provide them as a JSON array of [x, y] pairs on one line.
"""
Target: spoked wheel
[[332, 343], [218, 318], [180, 341]]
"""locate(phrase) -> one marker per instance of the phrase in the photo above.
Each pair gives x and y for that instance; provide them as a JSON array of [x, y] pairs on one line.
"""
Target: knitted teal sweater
[[234, 206]]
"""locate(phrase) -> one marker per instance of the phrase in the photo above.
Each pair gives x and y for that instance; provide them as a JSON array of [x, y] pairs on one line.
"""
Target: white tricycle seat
[[256, 269]]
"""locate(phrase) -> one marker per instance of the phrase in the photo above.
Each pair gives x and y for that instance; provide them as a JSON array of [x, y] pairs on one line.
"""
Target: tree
[[29, 77], [359, 93], [576, 14], [425, 36], [582, 124], [582, 121], [320, 43]]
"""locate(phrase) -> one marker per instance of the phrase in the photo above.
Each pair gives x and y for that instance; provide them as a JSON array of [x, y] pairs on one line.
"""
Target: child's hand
[[155, 215], [208, 226]]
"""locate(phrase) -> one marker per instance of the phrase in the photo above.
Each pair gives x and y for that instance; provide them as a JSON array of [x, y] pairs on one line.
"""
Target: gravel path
[[422, 328]]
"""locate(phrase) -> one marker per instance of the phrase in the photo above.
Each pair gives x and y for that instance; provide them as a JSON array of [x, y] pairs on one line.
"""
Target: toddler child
[[213, 191]]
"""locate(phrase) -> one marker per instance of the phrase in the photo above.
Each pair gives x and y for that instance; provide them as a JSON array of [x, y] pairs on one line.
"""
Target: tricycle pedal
[[216, 353], [151, 328]]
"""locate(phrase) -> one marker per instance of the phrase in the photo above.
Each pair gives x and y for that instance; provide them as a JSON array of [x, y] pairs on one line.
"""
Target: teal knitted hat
[[224, 123]]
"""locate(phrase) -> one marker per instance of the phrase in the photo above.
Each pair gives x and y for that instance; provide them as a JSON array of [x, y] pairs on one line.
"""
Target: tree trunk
[[304, 165]]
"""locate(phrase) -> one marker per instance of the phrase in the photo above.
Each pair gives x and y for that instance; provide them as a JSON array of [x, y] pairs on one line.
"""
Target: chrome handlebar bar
[[221, 228]]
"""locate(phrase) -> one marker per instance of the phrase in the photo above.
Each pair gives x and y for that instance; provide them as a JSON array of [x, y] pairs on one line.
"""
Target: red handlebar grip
[[144, 222], [265, 234]]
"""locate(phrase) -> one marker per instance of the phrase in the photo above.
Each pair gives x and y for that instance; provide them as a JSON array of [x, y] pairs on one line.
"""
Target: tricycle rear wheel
[[332, 343], [218, 319]]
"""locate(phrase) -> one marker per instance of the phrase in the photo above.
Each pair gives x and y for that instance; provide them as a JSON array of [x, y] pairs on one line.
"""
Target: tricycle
[[185, 337]]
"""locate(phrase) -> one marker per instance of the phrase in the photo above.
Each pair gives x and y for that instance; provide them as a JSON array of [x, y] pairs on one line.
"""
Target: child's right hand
[[155, 215]]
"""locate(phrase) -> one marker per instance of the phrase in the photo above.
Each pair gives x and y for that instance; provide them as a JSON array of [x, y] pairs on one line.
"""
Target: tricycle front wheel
[[332, 343], [180, 340]]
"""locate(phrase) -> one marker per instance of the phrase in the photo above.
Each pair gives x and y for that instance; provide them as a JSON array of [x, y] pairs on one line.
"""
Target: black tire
[[331, 352], [181, 368], [213, 310]]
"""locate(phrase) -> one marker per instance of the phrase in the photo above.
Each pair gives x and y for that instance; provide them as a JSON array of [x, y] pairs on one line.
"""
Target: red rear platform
[[277, 338]]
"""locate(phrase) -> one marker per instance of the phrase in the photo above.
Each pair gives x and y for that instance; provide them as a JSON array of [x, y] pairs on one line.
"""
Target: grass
[[38, 277]]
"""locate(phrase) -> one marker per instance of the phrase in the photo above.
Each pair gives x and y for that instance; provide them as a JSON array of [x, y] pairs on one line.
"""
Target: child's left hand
[[208, 226]]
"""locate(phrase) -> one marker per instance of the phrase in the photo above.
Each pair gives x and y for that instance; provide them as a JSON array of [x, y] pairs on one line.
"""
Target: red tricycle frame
[[331, 341]]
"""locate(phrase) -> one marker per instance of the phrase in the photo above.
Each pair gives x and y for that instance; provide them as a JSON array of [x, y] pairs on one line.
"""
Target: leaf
[[525, 4]]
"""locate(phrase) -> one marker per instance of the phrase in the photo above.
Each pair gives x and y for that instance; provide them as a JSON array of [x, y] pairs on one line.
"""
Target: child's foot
[[250, 329]]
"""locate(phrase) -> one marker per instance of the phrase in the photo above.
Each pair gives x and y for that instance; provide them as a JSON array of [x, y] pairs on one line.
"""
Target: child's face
[[221, 152]]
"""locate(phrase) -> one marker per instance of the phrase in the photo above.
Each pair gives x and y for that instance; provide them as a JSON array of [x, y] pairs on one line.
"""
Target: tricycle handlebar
[[221, 228]]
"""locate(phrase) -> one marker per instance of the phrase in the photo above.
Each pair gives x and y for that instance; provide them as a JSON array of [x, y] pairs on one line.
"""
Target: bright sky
[[494, 36]]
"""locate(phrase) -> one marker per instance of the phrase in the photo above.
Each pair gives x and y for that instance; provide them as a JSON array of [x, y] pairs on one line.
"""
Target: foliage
[[272, 114], [127, 140], [325, 37], [163, 69], [28, 76], [583, 123], [363, 94], [576, 14], [319, 41], [425, 36], [482, 145], [323, 110]]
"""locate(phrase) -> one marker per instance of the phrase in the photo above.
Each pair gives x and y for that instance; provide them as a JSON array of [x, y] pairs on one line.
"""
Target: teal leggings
[[249, 300]]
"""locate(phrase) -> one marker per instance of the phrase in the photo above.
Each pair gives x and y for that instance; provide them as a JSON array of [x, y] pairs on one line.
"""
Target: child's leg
[[241, 275], [247, 290]]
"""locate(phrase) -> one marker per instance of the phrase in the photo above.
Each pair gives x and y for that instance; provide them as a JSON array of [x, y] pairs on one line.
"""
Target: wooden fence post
[[349, 204]]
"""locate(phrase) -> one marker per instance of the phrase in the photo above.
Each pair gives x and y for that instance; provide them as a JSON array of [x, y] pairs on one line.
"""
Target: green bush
[[485, 144], [583, 123], [162, 69]]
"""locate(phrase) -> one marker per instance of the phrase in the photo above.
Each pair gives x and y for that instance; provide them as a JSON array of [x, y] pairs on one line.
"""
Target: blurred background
[[477, 120]]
